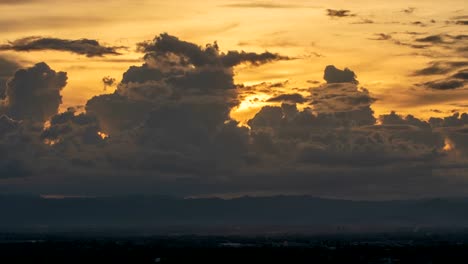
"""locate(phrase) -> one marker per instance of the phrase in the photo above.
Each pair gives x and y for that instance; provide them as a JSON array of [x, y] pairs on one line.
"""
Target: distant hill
[[247, 214]]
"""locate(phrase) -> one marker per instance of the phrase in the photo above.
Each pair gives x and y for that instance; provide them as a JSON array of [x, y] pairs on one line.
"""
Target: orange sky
[[298, 29]]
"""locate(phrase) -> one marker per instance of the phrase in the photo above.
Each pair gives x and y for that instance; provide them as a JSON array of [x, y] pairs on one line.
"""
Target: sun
[[248, 107], [449, 145]]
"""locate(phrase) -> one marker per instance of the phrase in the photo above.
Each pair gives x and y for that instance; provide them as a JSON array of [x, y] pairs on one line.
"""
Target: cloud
[[339, 13], [72, 128], [88, 47], [108, 82], [446, 84], [167, 129], [291, 98], [7, 68], [455, 120], [455, 81], [334, 75], [441, 67], [34, 93], [409, 10], [265, 4], [166, 44], [233, 58], [178, 77], [433, 39], [463, 75], [364, 21]]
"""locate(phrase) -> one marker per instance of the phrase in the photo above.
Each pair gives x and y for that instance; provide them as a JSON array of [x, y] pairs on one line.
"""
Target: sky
[[358, 100]]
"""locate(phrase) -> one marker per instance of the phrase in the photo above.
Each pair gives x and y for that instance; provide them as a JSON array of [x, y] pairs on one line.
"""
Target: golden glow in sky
[[374, 40]]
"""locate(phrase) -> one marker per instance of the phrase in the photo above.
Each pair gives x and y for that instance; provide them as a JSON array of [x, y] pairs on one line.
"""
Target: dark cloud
[[233, 58], [409, 120], [165, 45], [180, 80], [339, 13], [446, 84], [442, 45], [455, 81], [88, 47], [334, 75], [443, 39], [69, 128], [441, 67], [34, 93], [291, 98], [455, 120], [463, 74], [7, 69], [170, 131], [108, 82], [433, 39]]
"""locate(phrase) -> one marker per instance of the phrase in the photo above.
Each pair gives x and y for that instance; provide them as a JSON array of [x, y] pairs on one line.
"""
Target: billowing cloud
[[167, 129], [34, 93], [334, 75], [72, 128], [7, 69], [165, 45], [88, 47]]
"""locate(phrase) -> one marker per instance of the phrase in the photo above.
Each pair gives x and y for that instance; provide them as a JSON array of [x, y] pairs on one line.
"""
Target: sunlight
[[449, 145], [103, 135]]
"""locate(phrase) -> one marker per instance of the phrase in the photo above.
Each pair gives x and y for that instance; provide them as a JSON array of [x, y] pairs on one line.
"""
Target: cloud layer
[[88, 47], [167, 129]]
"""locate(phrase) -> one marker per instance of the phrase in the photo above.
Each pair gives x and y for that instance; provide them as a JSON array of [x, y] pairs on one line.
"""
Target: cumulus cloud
[[167, 128], [175, 72], [70, 128], [166, 45], [334, 75], [34, 93], [88, 47], [7, 69]]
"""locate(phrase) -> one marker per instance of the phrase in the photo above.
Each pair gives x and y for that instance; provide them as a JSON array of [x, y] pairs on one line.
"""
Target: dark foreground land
[[376, 248]]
